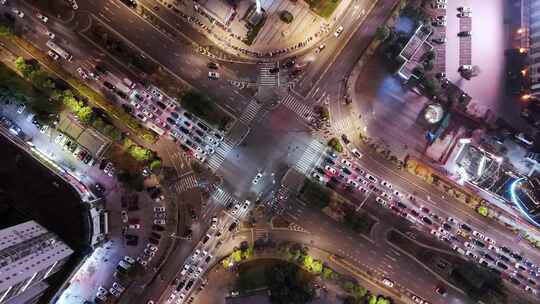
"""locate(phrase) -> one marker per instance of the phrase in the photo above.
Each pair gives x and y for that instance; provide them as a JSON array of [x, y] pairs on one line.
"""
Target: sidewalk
[[275, 39]]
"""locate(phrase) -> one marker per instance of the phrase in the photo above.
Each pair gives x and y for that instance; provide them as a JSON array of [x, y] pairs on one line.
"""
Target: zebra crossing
[[293, 104], [215, 160], [342, 125], [186, 183], [222, 197], [297, 228], [251, 111], [267, 79], [260, 233], [309, 157]]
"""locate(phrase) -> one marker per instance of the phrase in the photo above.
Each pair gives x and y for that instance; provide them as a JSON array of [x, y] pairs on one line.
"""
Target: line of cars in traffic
[[195, 265], [483, 249]]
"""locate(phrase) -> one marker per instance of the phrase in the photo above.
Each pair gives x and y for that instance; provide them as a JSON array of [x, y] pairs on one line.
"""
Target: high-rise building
[[29, 254]]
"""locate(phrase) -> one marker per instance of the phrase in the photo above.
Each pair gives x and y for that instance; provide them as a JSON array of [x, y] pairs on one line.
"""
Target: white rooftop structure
[[29, 254]]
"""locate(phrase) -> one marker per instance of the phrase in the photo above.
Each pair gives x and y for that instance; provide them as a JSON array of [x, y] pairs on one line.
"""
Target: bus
[[60, 51]]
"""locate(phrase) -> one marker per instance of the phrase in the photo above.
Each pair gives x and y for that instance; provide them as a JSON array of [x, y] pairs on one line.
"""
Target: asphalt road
[[183, 61]]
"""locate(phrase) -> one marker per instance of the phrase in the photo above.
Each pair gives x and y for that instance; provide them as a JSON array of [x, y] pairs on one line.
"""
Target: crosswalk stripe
[[311, 154], [186, 183], [266, 78], [251, 111], [302, 110], [215, 160]]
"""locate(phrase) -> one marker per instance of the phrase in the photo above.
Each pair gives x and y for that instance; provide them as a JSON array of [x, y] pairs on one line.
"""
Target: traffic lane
[[181, 59], [399, 268], [444, 206], [356, 45]]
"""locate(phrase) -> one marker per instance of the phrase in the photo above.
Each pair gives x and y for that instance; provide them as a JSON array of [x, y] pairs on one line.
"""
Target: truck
[[60, 51]]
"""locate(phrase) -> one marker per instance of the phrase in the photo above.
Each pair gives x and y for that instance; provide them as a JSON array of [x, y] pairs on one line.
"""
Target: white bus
[[60, 51]]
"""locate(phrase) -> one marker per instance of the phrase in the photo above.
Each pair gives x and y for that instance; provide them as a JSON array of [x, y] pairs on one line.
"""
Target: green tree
[[372, 299], [327, 273], [483, 210], [308, 262], [23, 67], [85, 114], [5, 30], [237, 255], [335, 144], [286, 16], [317, 266], [155, 164], [140, 153]]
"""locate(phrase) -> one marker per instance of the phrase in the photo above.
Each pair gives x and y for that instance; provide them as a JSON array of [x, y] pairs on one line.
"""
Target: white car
[[42, 18], [330, 169], [346, 163], [353, 182], [320, 48], [82, 73], [317, 177], [129, 259], [51, 35], [213, 75], [490, 240], [493, 248], [18, 13], [464, 9], [151, 247], [115, 292], [356, 153], [246, 204], [118, 287], [214, 222], [388, 282], [386, 184], [184, 270], [209, 149], [338, 31], [235, 209], [135, 226], [397, 194], [159, 209], [198, 272], [124, 215], [478, 234], [257, 178], [200, 158], [59, 138], [159, 222], [53, 55]]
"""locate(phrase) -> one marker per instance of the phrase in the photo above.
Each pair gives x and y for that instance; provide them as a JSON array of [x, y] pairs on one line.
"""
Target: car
[[159, 209], [151, 247], [42, 18], [371, 178], [386, 184], [440, 289], [213, 65], [320, 48], [490, 240], [129, 259], [471, 254], [317, 177], [330, 170], [213, 75], [478, 234], [200, 158], [53, 55], [427, 220], [346, 163], [439, 23], [17, 12], [356, 153], [118, 287], [135, 226], [159, 222], [214, 222], [464, 9], [501, 265], [440, 40], [20, 108], [465, 227], [338, 31], [388, 282], [351, 181], [50, 34], [464, 34], [438, 6], [464, 15], [124, 216], [418, 300]]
